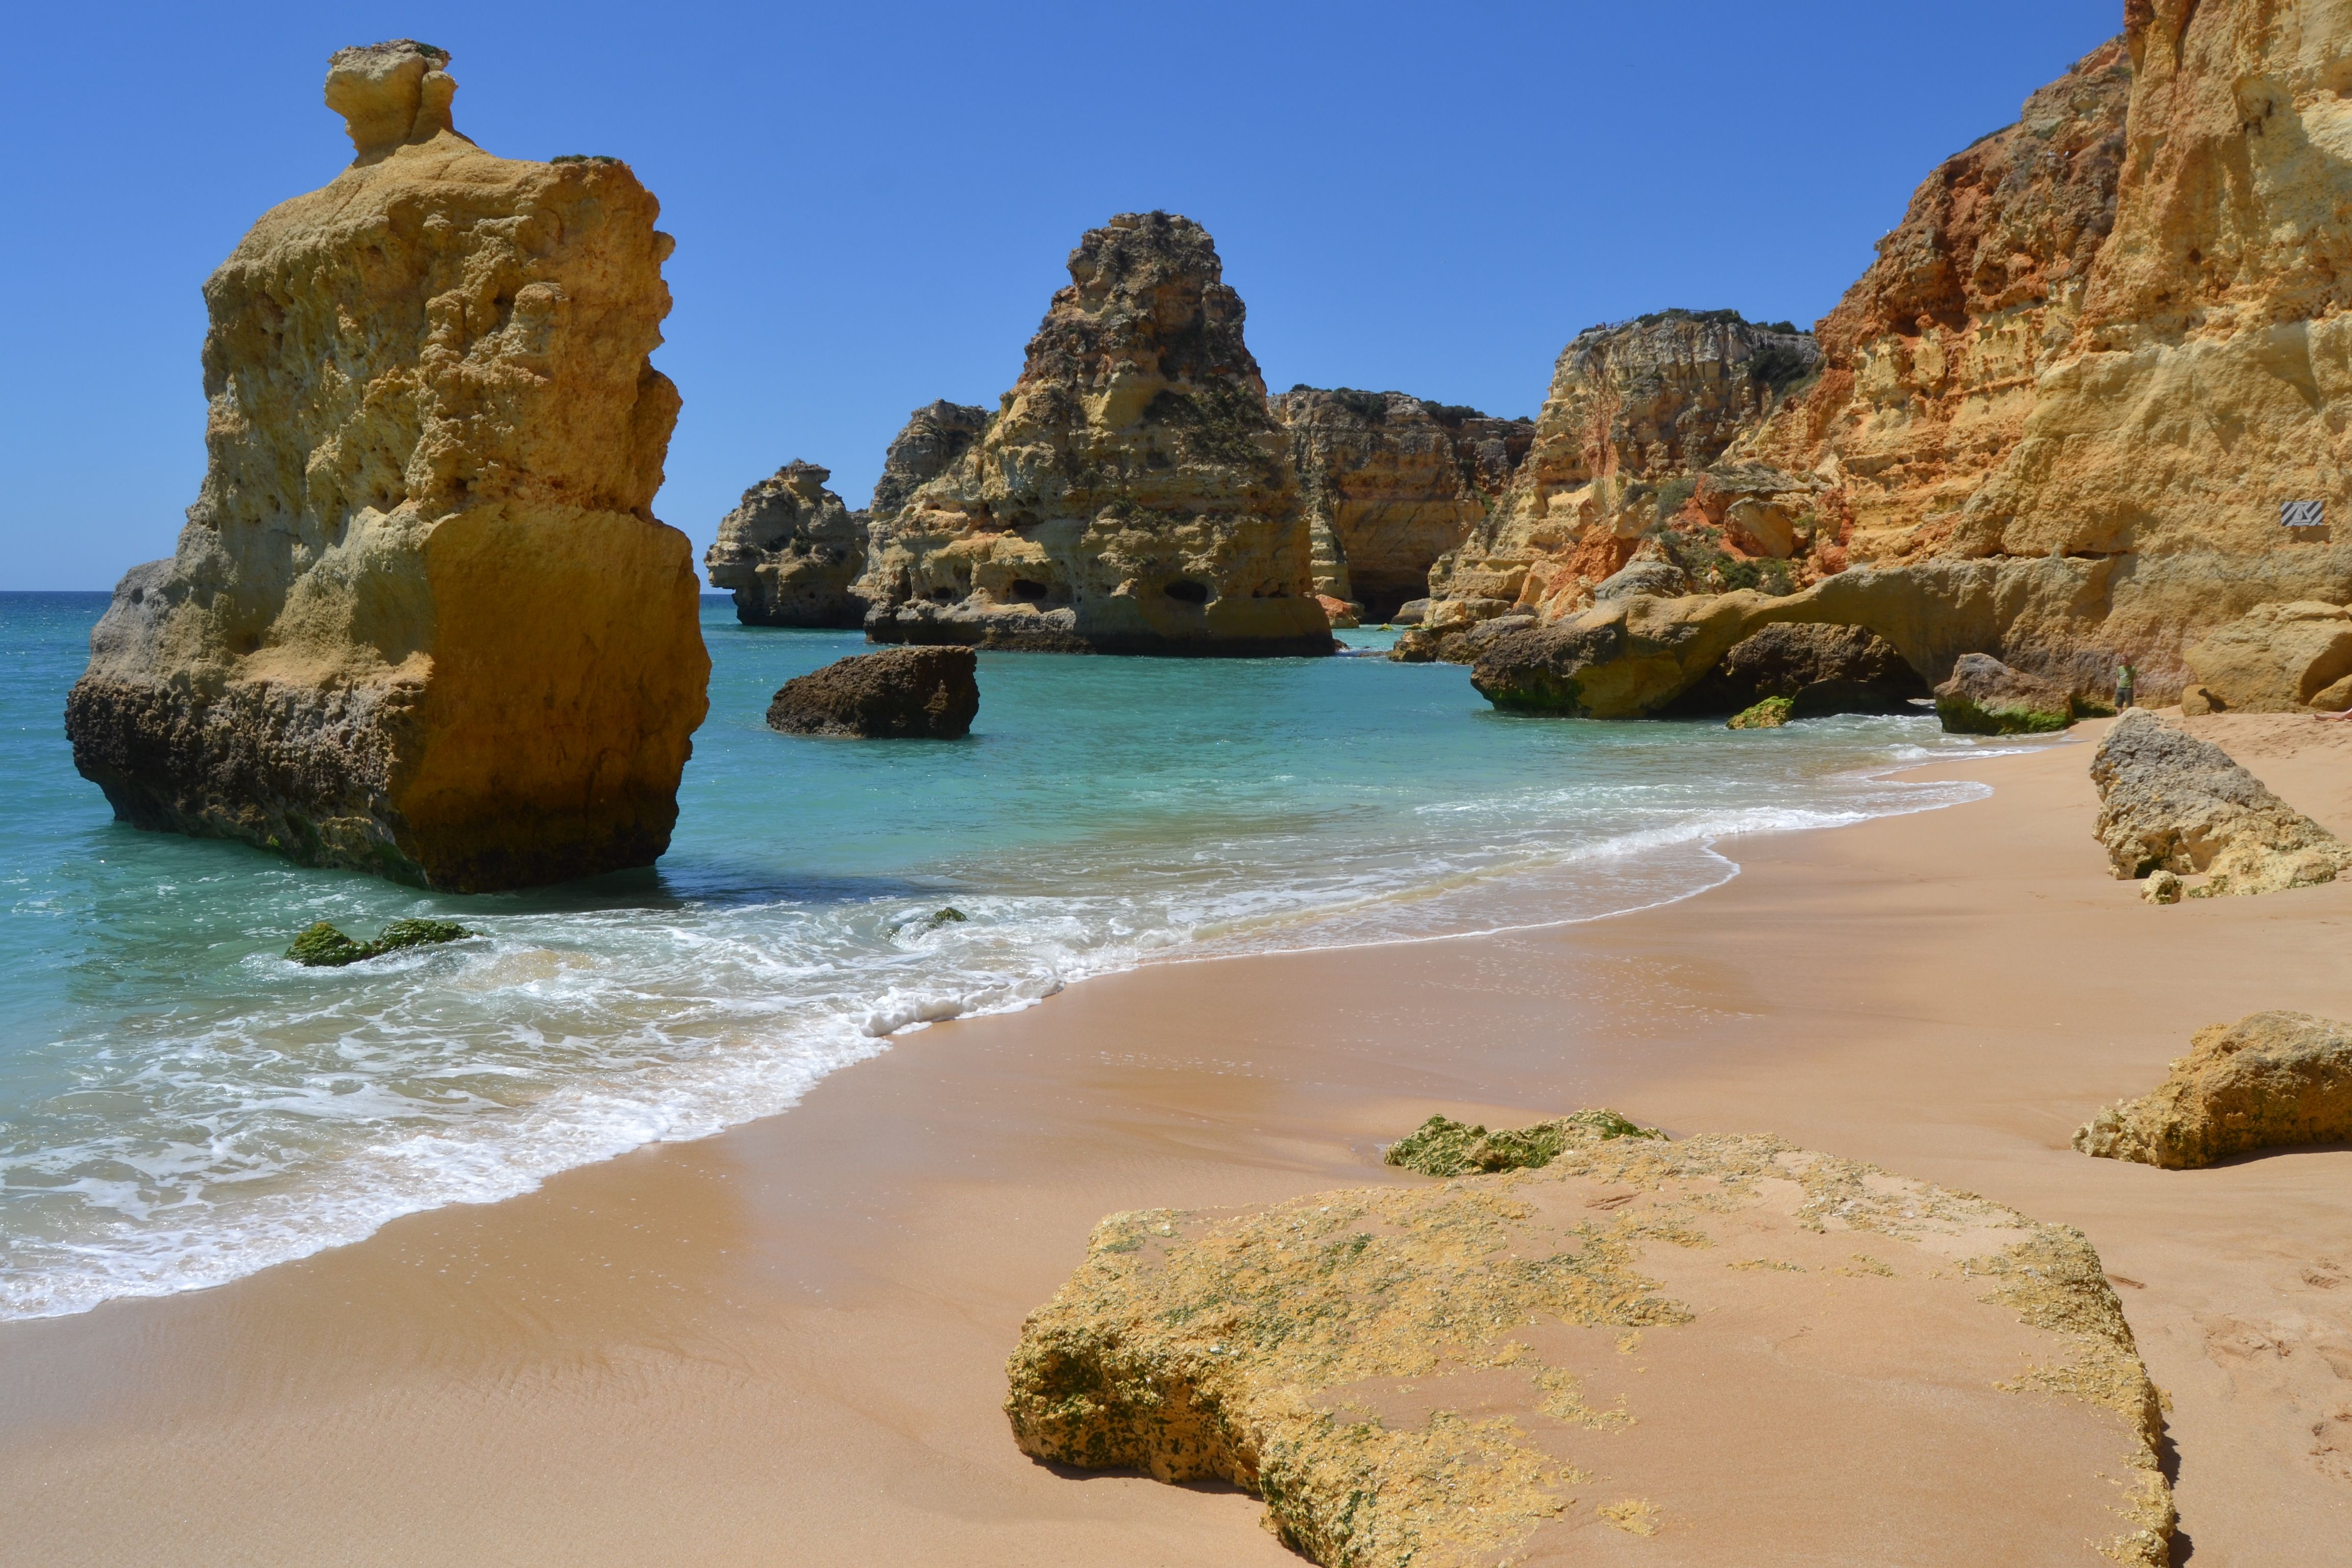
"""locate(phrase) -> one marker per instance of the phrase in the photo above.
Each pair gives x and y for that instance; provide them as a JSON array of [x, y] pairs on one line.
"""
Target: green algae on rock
[[324, 947], [1436, 1375], [1441, 1146], [1769, 714]]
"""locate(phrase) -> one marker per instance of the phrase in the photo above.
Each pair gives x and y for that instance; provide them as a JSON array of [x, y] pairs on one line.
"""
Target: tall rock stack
[[1390, 483], [790, 552], [421, 620], [1634, 406], [1132, 495]]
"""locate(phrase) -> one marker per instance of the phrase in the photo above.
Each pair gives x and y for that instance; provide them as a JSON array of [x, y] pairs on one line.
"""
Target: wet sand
[[785, 1345]]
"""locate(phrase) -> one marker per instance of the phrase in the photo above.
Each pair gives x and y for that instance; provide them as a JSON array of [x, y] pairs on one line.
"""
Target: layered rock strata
[[1390, 483], [2169, 803], [1637, 412], [1985, 696], [790, 552], [1521, 1366], [2271, 1080], [421, 620], [1132, 495], [2113, 335], [903, 693]]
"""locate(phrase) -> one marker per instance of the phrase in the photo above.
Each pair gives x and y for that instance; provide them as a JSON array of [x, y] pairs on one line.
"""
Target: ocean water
[[179, 1105]]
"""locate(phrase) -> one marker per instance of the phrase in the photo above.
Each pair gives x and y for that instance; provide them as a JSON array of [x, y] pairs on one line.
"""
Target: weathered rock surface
[[902, 693], [2105, 344], [1441, 1146], [2275, 658], [321, 946], [1133, 495], [790, 552], [1769, 713], [1637, 410], [421, 620], [2271, 1080], [1815, 670], [1985, 696], [2169, 802], [1390, 483], [934, 438], [1518, 1366]]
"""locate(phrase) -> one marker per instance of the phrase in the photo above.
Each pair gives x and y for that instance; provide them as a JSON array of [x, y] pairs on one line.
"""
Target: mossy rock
[[324, 947], [1441, 1146], [1962, 717], [1769, 714]]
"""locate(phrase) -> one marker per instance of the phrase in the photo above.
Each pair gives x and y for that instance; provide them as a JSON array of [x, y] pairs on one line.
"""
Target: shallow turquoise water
[[179, 1105]]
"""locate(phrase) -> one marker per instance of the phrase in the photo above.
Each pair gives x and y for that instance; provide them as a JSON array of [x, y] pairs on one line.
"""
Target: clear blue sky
[[872, 203]]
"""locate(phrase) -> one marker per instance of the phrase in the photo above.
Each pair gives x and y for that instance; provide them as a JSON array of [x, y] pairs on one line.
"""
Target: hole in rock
[[1186, 592], [943, 596], [1024, 588]]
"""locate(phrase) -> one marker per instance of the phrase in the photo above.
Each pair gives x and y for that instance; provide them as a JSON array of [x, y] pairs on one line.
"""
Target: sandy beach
[[786, 1343]]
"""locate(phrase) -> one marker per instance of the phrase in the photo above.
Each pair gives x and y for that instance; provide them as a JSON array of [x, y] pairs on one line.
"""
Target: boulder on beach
[[2271, 1080], [422, 621], [2169, 802], [900, 693], [2274, 658], [1717, 1341], [1985, 696]]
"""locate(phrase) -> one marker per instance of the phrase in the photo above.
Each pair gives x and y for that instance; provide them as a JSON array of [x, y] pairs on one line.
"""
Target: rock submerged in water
[[2171, 802], [2271, 1080], [1133, 495], [422, 621], [904, 693], [1985, 696], [1771, 713], [324, 947], [1449, 1375]]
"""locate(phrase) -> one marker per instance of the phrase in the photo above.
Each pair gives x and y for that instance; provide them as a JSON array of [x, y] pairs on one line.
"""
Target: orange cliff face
[[2059, 415], [421, 620]]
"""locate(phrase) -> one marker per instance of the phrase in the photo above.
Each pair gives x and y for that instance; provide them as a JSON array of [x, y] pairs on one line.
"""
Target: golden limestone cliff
[[2058, 418], [421, 620], [1133, 492], [1390, 484]]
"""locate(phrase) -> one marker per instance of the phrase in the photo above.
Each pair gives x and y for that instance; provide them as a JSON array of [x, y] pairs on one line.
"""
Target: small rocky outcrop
[[1390, 483], [790, 552], [2275, 658], [1770, 714], [1985, 696], [323, 947], [1441, 1146], [1812, 671], [2271, 1080], [422, 621], [905, 694], [2169, 803], [1449, 1374], [1134, 493]]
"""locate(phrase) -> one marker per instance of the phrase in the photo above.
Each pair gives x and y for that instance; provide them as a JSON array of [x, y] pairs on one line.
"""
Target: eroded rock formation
[[1134, 493], [2102, 349], [901, 693], [2271, 1080], [1390, 483], [2171, 802], [1637, 412], [421, 620], [1815, 670], [790, 552], [1985, 696], [1450, 1375]]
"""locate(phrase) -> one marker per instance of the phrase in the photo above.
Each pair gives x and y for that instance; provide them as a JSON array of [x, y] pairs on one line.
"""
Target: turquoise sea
[[179, 1105]]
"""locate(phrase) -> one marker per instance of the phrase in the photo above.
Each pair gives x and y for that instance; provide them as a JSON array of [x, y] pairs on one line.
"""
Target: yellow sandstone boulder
[[421, 620], [2271, 1080]]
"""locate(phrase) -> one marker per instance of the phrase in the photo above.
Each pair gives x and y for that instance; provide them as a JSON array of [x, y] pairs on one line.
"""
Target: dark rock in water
[[904, 693], [1821, 669], [324, 947], [1985, 696]]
